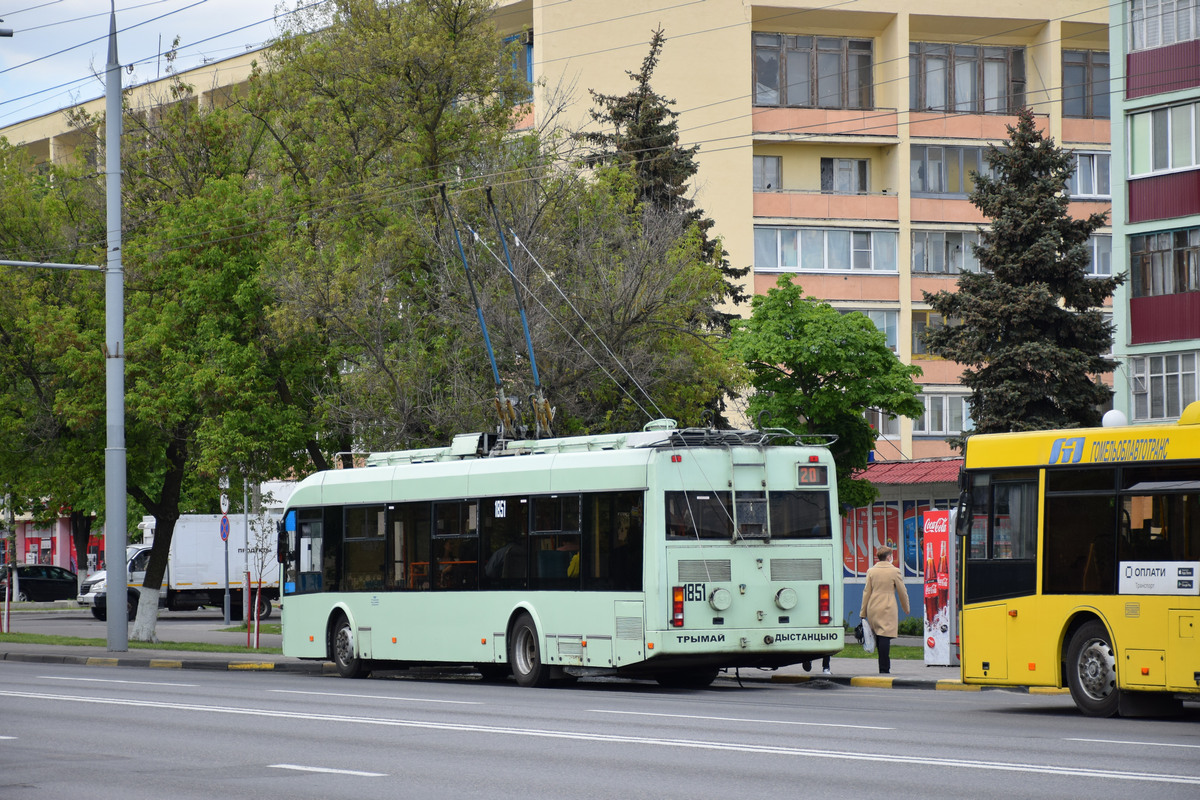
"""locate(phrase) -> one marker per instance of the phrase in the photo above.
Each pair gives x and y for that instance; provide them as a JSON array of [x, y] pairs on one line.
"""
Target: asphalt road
[[104, 733]]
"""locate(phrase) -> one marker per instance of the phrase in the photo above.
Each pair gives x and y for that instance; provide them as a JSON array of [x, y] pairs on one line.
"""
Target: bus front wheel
[[525, 654], [1092, 671], [347, 663]]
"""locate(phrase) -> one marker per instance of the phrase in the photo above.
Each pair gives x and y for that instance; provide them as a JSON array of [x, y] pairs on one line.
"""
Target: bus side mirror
[[960, 516], [281, 542]]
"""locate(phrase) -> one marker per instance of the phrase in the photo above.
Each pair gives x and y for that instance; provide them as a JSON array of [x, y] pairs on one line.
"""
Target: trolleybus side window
[[556, 542], [410, 546], [504, 527], [365, 548], [308, 554], [456, 544]]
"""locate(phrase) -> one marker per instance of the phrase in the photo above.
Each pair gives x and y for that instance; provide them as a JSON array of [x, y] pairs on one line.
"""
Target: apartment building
[[1156, 216]]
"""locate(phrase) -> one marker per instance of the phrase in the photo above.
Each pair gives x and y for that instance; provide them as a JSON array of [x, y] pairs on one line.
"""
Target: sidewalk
[[905, 674]]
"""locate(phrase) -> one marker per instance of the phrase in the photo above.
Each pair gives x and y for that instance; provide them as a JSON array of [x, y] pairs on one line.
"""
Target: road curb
[[303, 667]]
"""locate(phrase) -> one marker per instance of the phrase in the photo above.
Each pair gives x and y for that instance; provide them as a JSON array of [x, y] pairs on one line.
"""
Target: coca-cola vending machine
[[941, 621]]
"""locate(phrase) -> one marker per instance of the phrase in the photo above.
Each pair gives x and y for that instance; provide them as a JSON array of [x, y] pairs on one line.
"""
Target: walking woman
[[884, 585]]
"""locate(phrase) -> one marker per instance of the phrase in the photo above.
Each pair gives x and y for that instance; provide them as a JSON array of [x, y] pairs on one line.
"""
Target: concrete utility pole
[[115, 534]]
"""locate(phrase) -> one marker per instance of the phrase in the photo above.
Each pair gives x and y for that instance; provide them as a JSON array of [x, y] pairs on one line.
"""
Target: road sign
[[224, 529]]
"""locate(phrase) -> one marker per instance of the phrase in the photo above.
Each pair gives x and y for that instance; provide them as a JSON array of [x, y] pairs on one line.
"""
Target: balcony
[[821, 122], [939, 125], [822, 205]]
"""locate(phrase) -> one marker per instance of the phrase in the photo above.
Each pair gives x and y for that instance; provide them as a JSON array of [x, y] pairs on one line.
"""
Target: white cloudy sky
[[59, 45]]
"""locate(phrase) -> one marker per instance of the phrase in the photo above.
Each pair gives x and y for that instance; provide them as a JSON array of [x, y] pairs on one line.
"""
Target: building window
[[768, 174], [945, 415], [812, 71], [824, 249], [1162, 385], [1163, 140], [921, 322], [1165, 263], [966, 78], [885, 321], [845, 175], [1157, 23], [1100, 263], [944, 252], [934, 169], [522, 55], [1085, 84], [886, 425], [1091, 176]]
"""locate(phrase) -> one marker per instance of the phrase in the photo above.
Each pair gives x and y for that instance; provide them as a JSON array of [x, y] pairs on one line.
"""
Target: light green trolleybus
[[666, 553]]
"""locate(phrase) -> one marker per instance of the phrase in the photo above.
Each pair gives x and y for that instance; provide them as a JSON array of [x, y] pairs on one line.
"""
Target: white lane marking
[[8, 737], [740, 719], [1144, 744], [695, 744], [379, 697], [106, 680], [301, 768]]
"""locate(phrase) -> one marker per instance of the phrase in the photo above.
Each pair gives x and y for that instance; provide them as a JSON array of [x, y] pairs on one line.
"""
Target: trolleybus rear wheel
[[688, 679], [1092, 671], [525, 654], [348, 664]]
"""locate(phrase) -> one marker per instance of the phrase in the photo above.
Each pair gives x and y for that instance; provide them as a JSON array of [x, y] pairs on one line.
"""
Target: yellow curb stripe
[[96, 661], [251, 665], [949, 685], [877, 683], [1048, 690], [165, 663]]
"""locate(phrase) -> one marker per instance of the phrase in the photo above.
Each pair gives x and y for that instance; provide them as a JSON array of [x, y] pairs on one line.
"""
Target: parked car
[[41, 582]]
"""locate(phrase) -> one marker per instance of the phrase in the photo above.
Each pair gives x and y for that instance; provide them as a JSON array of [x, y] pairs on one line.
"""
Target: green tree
[[617, 303], [639, 132], [1028, 326], [370, 107], [203, 375], [821, 370], [49, 466]]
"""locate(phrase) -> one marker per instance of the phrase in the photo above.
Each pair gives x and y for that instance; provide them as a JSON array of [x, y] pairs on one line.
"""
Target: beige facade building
[[835, 142]]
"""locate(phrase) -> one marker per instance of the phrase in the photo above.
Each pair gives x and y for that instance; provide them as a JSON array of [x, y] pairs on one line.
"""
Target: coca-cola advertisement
[[936, 564]]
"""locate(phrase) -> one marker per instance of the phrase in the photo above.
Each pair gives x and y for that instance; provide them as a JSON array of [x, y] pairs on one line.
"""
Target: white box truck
[[195, 574]]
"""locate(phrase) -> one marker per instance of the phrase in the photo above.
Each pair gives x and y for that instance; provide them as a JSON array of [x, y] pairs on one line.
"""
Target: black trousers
[[883, 644]]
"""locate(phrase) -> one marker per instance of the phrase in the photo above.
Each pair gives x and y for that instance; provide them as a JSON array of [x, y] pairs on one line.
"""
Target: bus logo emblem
[[1067, 451]]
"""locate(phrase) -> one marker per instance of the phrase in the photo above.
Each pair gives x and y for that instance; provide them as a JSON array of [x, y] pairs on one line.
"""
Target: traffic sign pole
[[225, 539]]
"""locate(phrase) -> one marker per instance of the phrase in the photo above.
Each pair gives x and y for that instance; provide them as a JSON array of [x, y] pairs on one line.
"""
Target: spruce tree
[[1028, 326], [639, 132]]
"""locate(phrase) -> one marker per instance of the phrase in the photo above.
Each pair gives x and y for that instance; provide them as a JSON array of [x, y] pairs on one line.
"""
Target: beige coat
[[884, 584]]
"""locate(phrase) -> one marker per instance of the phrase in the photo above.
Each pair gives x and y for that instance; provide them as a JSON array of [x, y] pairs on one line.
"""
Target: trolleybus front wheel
[[525, 654], [348, 664], [1092, 671]]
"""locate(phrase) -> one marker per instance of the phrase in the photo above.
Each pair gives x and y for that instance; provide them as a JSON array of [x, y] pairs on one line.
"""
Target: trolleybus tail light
[[823, 615], [677, 607]]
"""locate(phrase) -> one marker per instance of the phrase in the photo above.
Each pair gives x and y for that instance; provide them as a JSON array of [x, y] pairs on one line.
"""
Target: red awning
[[907, 473]]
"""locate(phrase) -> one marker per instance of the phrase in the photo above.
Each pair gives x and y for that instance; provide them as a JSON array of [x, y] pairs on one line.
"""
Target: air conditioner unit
[[526, 38]]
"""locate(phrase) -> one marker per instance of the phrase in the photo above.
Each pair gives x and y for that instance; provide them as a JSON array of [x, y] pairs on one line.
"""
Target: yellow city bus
[[1081, 563]]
